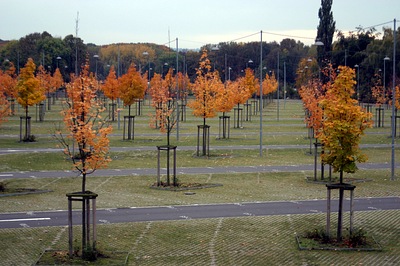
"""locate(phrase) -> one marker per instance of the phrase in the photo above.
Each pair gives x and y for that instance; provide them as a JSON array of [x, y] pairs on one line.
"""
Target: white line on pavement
[[26, 219]]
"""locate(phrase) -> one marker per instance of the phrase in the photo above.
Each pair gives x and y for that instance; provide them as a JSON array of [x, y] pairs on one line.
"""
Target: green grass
[[268, 240], [265, 240], [134, 191]]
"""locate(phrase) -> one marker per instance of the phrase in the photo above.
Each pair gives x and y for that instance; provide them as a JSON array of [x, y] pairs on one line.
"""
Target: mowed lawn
[[268, 240]]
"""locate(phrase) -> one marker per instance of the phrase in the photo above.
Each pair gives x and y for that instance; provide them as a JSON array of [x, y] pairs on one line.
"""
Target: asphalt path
[[105, 216], [187, 212]]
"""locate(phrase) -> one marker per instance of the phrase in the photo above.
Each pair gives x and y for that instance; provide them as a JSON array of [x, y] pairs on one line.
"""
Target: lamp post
[[358, 82], [96, 58], [229, 73], [146, 54], [384, 76], [58, 59], [392, 166], [249, 62]]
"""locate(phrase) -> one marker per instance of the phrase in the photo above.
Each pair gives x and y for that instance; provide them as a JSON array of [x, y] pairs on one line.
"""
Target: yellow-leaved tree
[[344, 122], [29, 93]]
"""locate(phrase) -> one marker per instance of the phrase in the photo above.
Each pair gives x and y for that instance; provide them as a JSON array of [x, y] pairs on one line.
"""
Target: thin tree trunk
[[26, 123], [340, 212]]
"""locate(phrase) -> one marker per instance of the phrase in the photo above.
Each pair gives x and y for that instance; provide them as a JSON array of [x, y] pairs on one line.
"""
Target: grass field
[[268, 240]]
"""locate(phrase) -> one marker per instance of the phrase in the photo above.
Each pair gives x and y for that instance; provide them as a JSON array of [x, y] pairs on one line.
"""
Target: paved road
[[123, 215], [59, 218]]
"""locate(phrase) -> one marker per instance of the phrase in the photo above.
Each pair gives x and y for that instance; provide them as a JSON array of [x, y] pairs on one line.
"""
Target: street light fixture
[[318, 43], [96, 58], [145, 53], [58, 59]]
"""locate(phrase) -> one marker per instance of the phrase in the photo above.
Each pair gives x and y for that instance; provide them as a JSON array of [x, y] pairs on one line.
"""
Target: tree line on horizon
[[364, 48]]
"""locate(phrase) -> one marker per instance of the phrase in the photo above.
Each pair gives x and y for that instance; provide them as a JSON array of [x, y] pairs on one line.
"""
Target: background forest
[[287, 59]]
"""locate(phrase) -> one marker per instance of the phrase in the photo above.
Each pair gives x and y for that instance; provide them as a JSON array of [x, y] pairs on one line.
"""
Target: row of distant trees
[[363, 47]]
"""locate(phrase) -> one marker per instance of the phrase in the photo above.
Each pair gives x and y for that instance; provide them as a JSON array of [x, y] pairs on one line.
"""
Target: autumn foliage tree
[[89, 131], [344, 122], [85, 125], [205, 90], [56, 80], [7, 91], [269, 85], [111, 89], [132, 88], [163, 92], [8, 88], [29, 92]]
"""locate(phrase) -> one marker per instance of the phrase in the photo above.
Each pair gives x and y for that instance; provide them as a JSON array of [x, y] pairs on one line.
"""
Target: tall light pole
[[58, 59], [384, 76], [358, 82], [261, 91], [392, 177], [96, 57], [145, 53], [278, 91]]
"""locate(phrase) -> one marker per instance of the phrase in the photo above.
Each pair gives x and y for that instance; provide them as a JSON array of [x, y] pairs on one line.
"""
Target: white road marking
[[4, 175], [25, 219]]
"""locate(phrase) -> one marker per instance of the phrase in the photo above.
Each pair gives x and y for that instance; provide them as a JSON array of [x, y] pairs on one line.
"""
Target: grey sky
[[195, 23]]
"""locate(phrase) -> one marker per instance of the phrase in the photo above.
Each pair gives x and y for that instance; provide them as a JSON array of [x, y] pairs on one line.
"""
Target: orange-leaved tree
[[311, 95], [86, 129], [111, 89], [224, 101], [205, 89], [163, 93], [132, 87], [45, 78], [250, 82], [7, 89], [269, 85], [4, 104], [56, 80], [158, 95], [29, 92], [343, 125], [8, 82], [82, 117]]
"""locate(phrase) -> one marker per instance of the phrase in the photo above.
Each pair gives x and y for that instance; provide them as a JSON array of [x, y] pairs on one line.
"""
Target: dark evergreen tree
[[326, 29]]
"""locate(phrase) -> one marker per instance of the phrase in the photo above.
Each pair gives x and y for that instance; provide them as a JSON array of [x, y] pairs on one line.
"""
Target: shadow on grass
[[60, 257], [183, 186]]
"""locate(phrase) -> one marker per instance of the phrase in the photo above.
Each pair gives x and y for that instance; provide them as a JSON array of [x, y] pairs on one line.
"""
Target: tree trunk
[[340, 211], [26, 123]]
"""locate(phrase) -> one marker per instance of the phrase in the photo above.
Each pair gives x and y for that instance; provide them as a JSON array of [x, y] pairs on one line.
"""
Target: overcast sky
[[194, 23]]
